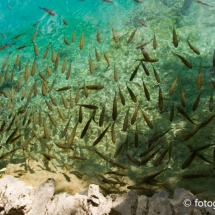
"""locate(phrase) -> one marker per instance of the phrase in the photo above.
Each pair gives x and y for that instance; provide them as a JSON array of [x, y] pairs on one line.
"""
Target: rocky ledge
[[17, 198]]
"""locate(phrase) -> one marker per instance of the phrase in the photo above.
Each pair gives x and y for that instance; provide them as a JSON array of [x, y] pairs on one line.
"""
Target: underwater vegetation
[[130, 105]]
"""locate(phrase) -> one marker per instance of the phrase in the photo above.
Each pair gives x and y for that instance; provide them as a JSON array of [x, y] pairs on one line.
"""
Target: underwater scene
[[118, 93]]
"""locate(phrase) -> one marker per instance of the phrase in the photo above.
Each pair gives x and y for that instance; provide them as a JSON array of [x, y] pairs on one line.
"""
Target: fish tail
[[40, 8]]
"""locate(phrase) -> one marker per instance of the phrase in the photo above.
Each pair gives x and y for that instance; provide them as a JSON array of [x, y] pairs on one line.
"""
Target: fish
[[99, 138], [3, 47], [60, 114], [171, 116], [145, 54], [134, 117], [48, 156], [121, 96], [182, 97], [69, 71], [119, 173], [53, 55], [133, 97], [66, 127], [72, 136], [145, 69], [98, 36], [196, 103], [47, 51], [102, 116], [78, 158], [9, 7], [81, 45], [143, 45], [17, 36], [156, 75], [188, 161], [36, 51], [63, 88], [113, 134], [93, 107], [146, 92], [158, 161], [7, 154], [64, 21], [160, 99], [73, 35], [17, 60], [46, 131], [6, 61], [36, 23], [182, 112], [197, 149], [134, 72], [33, 69], [154, 42], [107, 60], [65, 104], [132, 159], [114, 111], [173, 87], [35, 35], [115, 36], [174, 37], [202, 3], [50, 12], [156, 137], [66, 41], [149, 178], [49, 105], [148, 121], [136, 137], [93, 87], [142, 23], [115, 74], [91, 66], [184, 61], [199, 77], [21, 47], [195, 50], [71, 103], [52, 119], [147, 159], [86, 93], [63, 65], [211, 103], [197, 128], [80, 115], [132, 35], [83, 133], [125, 123], [77, 96], [26, 74], [97, 54]]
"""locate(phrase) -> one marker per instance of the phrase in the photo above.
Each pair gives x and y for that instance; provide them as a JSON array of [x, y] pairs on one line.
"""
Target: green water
[[24, 116]]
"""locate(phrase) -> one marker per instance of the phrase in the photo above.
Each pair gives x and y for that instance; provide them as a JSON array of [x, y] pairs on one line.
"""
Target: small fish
[[114, 111], [199, 77], [80, 115], [184, 61], [148, 178], [53, 55], [35, 35], [115, 74], [66, 128], [72, 135], [91, 66], [156, 75], [121, 96], [64, 66], [142, 23], [133, 97], [132, 35], [125, 123], [7, 154], [174, 37], [52, 119], [196, 103], [47, 51], [113, 134], [36, 51], [202, 3], [132, 159], [99, 138], [102, 116], [93, 107], [50, 12], [134, 117], [63, 88], [66, 41], [26, 73], [160, 100], [143, 45], [83, 133], [64, 21], [173, 87], [33, 69], [115, 36], [182, 97], [21, 47], [82, 41], [17, 36], [136, 138], [97, 54], [65, 104], [57, 60], [98, 36], [195, 50], [148, 121], [161, 157], [36, 23], [211, 103], [171, 113], [46, 131], [154, 42], [182, 112], [6, 61], [145, 69], [73, 35], [69, 71], [188, 161], [107, 60], [146, 92], [86, 93], [134, 72], [10, 8]]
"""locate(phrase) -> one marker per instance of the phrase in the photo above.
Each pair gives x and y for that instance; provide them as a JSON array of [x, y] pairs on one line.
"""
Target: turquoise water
[[27, 109]]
